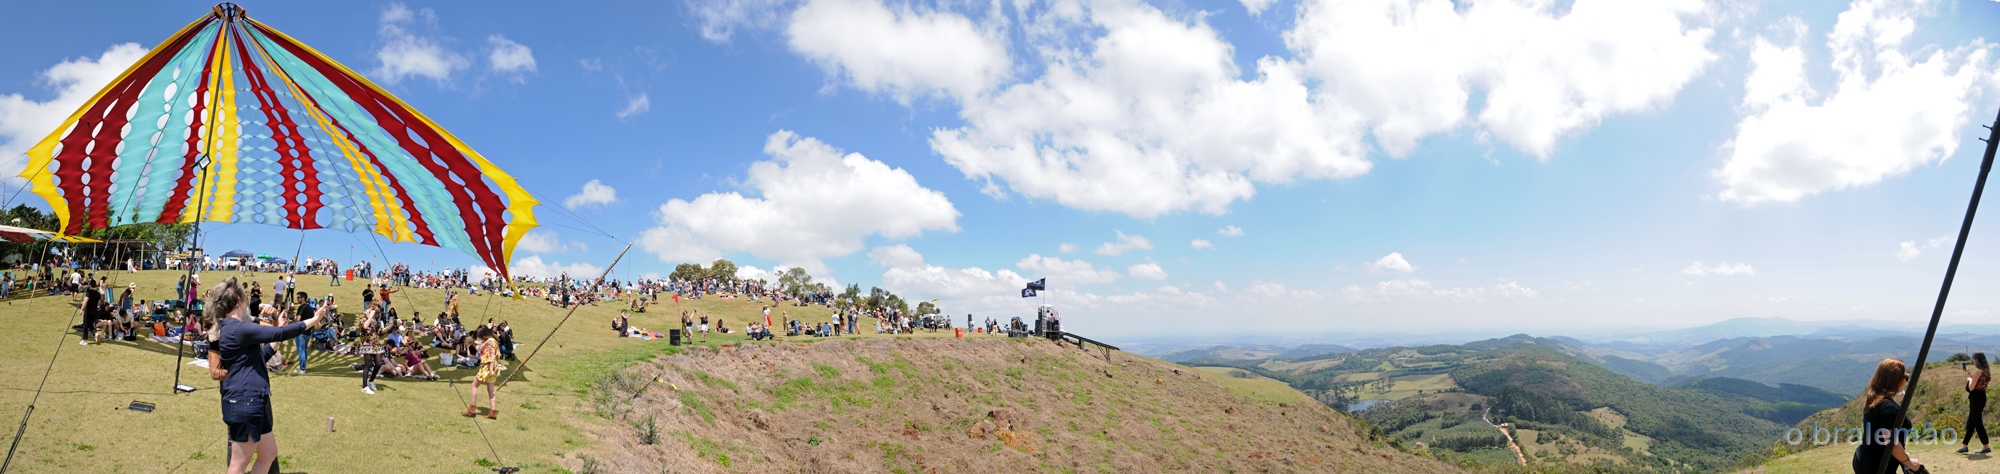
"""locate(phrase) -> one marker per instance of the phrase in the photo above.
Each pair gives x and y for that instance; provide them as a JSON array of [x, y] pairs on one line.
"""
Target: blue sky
[[1392, 166]]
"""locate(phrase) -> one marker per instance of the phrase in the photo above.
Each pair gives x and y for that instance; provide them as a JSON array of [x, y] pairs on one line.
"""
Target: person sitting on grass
[[467, 354], [158, 321], [505, 336], [414, 363], [126, 321], [620, 323]]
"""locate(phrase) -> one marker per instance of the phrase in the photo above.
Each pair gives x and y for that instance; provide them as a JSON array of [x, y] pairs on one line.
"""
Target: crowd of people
[[380, 343]]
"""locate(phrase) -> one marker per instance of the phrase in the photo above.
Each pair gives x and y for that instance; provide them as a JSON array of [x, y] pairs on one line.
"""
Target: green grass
[[1257, 387], [81, 416]]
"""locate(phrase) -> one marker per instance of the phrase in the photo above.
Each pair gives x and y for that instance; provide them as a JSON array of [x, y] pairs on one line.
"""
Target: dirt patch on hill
[[943, 405]]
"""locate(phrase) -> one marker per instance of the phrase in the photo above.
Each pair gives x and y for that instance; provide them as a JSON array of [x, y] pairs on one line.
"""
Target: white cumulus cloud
[[547, 241], [806, 203], [1256, 7], [1124, 243], [1066, 247], [1147, 271], [1892, 108], [1391, 263], [404, 53], [721, 18], [533, 266], [1231, 231], [635, 105], [1151, 116], [1201, 244], [907, 274], [903, 52], [1908, 251], [25, 121], [594, 193], [509, 57], [1911, 249], [1067, 272], [1547, 70], [1720, 269]]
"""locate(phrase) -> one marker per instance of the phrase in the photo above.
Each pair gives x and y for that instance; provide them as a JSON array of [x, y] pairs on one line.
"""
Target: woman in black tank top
[[1976, 379]]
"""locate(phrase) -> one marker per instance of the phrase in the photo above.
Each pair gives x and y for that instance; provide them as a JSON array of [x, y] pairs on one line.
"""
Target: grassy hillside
[[1940, 402], [943, 405], [80, 425]]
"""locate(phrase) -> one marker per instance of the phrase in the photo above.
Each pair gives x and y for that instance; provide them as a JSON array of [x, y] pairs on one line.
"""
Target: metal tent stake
[[1937, 312]]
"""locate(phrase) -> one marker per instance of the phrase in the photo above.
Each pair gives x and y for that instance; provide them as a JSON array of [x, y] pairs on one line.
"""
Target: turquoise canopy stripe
[[156, 136], [429, 196]]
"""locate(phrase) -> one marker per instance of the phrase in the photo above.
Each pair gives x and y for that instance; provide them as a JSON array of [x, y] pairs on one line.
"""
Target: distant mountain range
[[1563, 404], [1227, 355], [1831, 355], [1768, 327], [1839, 363]]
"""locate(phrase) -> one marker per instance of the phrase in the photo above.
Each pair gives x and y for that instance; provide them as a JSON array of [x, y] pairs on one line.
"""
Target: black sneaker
[[1963, 449], [1985, 450]]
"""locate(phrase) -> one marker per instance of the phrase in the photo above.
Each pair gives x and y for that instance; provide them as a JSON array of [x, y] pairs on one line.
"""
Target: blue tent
[[238, 253]]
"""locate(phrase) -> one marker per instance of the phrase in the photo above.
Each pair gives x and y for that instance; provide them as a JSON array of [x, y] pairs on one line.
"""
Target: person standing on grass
[[1976, 379], [704, 327], [489, 374], [242, 346], [278, 289], [93, 300], [305, 310]]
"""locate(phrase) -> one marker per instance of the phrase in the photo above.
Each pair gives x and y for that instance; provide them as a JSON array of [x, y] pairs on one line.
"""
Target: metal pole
[[200, 201], [552, 331], [1951, 271]]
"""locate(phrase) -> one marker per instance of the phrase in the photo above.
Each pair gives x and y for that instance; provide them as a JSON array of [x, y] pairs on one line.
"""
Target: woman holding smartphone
[[1976, 378], [242, 346]]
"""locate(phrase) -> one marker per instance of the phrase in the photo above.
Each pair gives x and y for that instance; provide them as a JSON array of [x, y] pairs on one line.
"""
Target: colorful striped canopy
[[230, 120]]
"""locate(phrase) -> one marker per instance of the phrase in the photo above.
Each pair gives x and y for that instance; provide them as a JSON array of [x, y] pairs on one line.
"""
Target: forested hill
[[1565, 412]]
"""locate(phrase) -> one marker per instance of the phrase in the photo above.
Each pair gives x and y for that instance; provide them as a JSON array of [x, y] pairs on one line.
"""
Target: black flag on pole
[[1039, 285], [1027, 292]]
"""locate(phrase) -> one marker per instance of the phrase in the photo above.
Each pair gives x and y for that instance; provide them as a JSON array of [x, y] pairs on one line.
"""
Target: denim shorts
[[249, 418]]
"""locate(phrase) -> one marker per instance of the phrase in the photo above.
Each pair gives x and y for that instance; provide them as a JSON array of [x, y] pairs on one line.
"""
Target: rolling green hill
[[1567, 412]]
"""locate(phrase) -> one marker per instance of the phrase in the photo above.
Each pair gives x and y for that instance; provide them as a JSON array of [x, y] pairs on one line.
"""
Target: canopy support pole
[[552, 331], [200, 203], [1937, 312]]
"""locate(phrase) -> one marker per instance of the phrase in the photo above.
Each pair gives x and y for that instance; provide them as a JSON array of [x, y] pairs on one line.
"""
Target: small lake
[[1363, 405]]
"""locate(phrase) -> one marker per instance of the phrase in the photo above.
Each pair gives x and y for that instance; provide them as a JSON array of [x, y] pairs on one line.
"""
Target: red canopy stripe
[[294, 156], [95, 138], [176, 206]]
